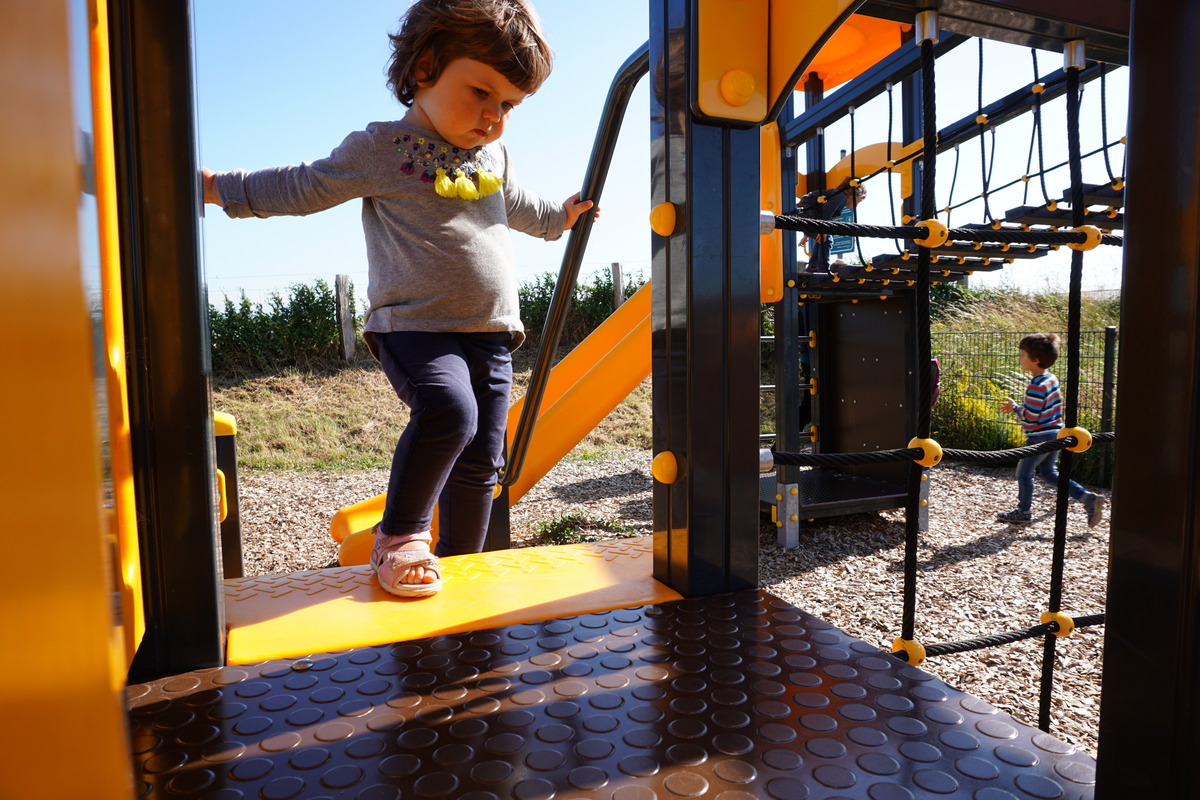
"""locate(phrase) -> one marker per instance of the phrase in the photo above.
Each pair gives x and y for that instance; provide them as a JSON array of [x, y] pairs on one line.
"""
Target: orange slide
[[582, 390]]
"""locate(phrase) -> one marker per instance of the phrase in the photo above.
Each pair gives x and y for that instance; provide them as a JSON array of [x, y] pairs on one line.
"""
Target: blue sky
[[283, 82]]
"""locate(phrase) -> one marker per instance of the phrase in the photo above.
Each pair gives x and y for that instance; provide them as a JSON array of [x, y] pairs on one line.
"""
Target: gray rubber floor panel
[[730, 697]]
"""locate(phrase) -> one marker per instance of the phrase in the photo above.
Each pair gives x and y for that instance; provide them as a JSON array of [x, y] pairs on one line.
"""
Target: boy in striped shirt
[[1041, 418]]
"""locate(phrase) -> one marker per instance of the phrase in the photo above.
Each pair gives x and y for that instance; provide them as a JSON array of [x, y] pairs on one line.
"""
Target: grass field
[[349, 418]]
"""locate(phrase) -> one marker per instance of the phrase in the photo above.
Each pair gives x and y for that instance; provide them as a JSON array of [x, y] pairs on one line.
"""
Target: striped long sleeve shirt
[[1042, 410]]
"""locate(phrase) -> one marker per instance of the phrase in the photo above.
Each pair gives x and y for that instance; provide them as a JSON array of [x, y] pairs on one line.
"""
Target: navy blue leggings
[[457, 386]]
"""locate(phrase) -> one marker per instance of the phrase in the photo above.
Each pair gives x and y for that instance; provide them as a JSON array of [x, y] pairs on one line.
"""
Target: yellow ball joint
[[737, 87], [1093, 238], [911, 648], [1083, 439], [936, 233], [1066, 625], [665, 467], [933, 452], [663, 219]]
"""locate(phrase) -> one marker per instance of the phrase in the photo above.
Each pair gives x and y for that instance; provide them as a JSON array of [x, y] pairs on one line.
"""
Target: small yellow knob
[[663, 219], [737, 87], [665, 468]]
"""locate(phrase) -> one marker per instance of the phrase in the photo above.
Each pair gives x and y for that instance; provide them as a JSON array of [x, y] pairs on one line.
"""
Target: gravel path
[[977, 576]]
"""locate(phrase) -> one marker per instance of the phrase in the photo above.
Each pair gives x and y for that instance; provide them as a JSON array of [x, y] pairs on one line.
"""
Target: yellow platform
[[315, 611]]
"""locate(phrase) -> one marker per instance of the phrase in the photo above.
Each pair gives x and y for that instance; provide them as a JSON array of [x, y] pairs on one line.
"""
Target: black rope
[[854, 189], [891, 191], [1006, 456], [1071, 401], [990, 235], [846, 459], [1037, 125], [949, 455], [1102, 148], [953, 182], [983, 171], [1104, 124], [996, 639]]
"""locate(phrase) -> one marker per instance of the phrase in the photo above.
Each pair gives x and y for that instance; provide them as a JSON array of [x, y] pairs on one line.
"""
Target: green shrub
[[591, 304], [300, 330]]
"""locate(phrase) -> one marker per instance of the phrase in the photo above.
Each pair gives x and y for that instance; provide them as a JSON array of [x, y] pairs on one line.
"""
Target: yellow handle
[[224, 504]]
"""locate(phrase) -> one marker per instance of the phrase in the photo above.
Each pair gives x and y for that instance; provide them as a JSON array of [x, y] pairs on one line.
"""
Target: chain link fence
[[979, 370]]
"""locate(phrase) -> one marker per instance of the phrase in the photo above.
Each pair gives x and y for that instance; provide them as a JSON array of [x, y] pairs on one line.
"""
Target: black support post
[[1151, 698], [170, 409], [704, 328]]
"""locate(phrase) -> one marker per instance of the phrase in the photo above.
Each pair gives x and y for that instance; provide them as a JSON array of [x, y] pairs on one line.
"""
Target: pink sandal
[[392, 564]]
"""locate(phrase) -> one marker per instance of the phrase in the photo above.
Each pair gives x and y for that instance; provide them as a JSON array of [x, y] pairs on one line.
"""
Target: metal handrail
[[636, 66]]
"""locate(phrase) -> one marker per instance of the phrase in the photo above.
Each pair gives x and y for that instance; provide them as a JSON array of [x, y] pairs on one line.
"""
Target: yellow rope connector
[[1066, 625], [812, 386], [1118, 184], [933, 451], [910, 647], [936, 233], [665, 467], [1052, 205], [982, 119], [1092, 240], [812, 434], [822, 199], [854, 181], [1038, 88], [1082, 437]]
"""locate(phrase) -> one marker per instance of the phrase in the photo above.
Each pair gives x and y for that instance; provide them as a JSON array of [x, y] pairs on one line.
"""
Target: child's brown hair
[[504, 34], [1042, 348]]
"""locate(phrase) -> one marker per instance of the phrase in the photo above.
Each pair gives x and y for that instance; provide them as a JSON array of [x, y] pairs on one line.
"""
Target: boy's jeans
[[1045, 466]]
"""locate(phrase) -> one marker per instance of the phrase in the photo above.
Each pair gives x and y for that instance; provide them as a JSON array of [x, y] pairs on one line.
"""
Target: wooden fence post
[[345, 317], [618, 285]]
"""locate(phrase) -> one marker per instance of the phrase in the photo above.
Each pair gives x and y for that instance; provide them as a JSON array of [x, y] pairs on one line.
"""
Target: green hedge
[[301, 329]]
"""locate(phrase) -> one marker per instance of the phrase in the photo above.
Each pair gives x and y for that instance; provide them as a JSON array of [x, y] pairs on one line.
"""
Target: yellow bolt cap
[[663, 219], [665, 468], [737, 87]]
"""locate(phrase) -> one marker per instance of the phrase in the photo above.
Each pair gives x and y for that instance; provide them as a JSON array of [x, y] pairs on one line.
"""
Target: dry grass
[[349, 418]]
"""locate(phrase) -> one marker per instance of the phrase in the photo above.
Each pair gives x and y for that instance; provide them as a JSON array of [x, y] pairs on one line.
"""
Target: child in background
[[438, 200], [1041, 419]]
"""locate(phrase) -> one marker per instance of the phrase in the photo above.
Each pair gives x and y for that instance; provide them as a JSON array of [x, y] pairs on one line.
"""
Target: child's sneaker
[[1093, 504], [1016, 515]]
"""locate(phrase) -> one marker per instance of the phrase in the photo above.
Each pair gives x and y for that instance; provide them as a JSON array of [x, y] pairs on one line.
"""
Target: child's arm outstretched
[[209, 180]]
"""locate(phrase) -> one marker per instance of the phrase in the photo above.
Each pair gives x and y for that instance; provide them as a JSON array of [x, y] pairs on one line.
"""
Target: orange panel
[[315, 611], [859, 44], [63, 667]]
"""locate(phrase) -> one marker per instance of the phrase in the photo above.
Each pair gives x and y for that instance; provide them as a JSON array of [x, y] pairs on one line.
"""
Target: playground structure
[[673, 666]]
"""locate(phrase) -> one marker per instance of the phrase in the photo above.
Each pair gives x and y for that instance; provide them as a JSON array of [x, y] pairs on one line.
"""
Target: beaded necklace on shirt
[[454, 172]]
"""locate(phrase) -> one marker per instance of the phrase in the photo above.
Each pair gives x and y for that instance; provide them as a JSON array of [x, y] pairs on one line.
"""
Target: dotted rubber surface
[[732, 696]]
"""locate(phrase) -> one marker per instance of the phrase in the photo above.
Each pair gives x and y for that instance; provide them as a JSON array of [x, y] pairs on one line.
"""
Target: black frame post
[[1151, 699], [704, 327], [169, 368]]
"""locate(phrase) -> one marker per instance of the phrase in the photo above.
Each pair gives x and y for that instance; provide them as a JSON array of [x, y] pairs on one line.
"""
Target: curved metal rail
[[636, 66]]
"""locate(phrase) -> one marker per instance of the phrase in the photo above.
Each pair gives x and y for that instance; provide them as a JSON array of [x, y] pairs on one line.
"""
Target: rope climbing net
[[927, 236]]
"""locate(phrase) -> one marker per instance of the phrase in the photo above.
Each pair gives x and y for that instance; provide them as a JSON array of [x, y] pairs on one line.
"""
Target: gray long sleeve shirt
[[434, 263]]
